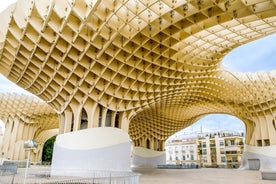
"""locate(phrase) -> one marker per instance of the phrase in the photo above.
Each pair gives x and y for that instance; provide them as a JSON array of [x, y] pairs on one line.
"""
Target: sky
[[259, 55], [5, 3]]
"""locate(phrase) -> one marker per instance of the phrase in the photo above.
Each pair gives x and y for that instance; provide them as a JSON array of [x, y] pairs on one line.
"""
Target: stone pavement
[[158, 176], [200, 176]]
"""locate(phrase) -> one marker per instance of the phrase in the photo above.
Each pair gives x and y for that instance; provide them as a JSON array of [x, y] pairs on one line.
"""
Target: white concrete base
[[259, 158], [268, 175], [143, 157], [80, 153]]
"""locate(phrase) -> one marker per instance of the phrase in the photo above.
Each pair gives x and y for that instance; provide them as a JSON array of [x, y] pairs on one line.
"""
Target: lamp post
[[28, 145]]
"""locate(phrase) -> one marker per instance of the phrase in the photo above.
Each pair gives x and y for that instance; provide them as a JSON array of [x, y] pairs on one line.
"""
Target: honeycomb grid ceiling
[[28, 110], [160, 59]]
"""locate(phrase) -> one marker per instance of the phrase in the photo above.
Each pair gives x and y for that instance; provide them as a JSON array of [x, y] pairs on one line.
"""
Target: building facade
[[220, 149], [182, 151]]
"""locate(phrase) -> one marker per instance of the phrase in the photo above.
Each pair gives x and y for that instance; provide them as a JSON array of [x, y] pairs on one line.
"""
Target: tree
[[48, 149]]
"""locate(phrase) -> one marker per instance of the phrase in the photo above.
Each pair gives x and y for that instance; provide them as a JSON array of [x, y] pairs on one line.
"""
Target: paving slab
[[200, 176]]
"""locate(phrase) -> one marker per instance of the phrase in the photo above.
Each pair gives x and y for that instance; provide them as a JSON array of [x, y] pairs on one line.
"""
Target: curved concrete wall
[[143, 157], [98, 149], [266, 156]]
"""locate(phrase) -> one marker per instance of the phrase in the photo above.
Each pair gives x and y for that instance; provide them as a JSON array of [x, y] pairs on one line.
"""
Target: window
[[223, 160], [170, 157], [259, 143], [183, 157], [204, 144], [204, 152], [192, 157], [221, 143], [266, 142], [176, 158]]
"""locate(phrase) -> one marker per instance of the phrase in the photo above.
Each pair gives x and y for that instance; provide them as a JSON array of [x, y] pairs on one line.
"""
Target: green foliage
[[48, 150]]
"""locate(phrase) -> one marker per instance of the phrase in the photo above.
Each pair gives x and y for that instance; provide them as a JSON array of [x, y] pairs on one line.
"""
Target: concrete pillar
[[124, 121], [96, 116], [262, 133], [77, 111], [61, 123], [143, 157], [113, 116], [104, 112], [90, 108], [16, 133], [68, 121]]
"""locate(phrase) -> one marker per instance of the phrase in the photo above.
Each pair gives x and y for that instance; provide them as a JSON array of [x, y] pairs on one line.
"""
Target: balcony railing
[[212, 145], [236, 144], [233, 152]]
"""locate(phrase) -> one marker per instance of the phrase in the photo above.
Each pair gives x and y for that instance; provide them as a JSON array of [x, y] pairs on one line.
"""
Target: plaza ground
[[201, 176], [36, 174]]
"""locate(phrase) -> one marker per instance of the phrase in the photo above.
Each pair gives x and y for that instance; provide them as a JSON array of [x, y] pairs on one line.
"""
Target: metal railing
[[169, 166], [43, 176]]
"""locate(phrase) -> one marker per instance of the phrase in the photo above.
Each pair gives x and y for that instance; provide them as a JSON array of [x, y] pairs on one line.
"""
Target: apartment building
[[182, 151], [217, 149], [221, 149]]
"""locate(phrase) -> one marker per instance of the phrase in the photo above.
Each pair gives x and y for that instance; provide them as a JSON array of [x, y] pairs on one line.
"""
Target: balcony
[[213, 145], [233, 162], [236, 144], [233, 152]]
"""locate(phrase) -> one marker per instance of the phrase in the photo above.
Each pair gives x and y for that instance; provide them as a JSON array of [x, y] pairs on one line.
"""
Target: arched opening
[[47, 152], [100, 115], [117, 120], [72, 123], [215, 140], [148, 143], [108, 118], [84, 119]]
